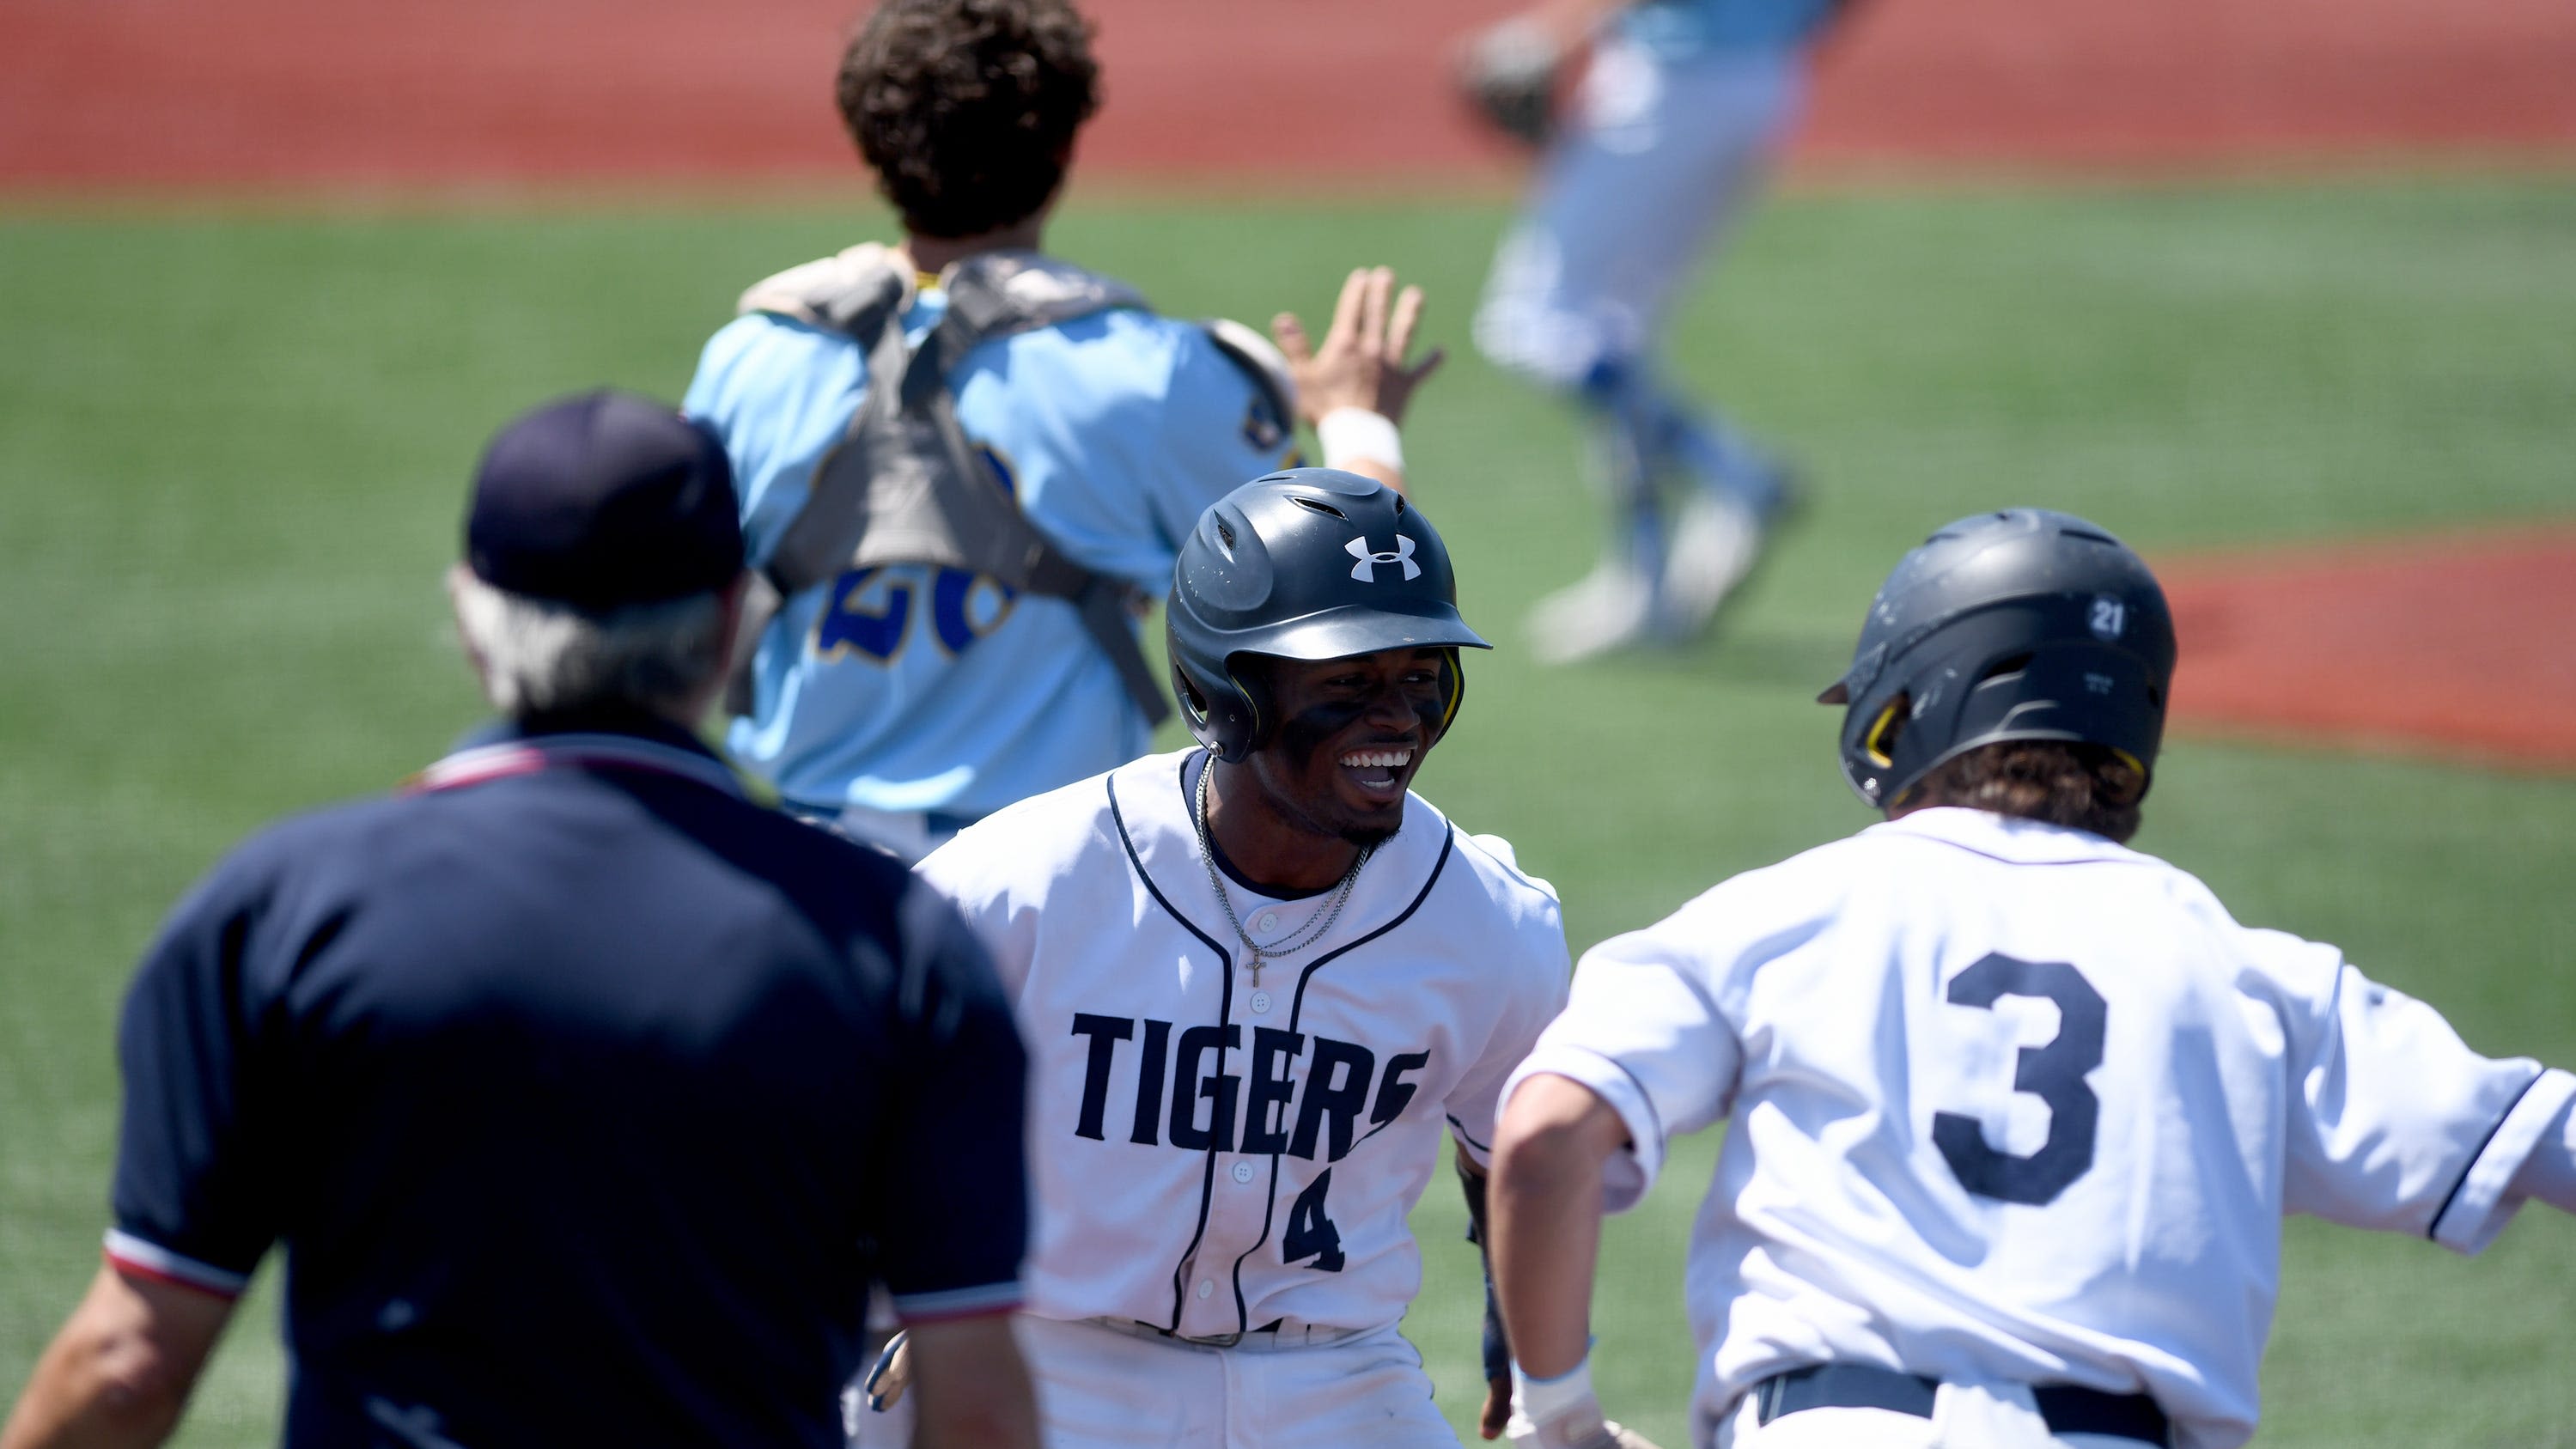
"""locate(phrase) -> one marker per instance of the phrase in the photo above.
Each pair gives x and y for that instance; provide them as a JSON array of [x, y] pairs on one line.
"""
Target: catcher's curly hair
[[2083, 786], [967, 108]]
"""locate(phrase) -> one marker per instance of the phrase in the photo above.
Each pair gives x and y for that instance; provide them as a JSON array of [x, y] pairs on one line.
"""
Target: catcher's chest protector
[[904, 485]]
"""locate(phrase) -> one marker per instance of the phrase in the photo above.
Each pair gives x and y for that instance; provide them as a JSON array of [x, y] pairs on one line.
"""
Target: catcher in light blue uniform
[[905, 689], [904, 699], [1681, 106]]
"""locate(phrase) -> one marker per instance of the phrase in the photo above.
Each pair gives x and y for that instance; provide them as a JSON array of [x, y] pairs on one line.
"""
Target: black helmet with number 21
[[1307, 564], [2021, 624]]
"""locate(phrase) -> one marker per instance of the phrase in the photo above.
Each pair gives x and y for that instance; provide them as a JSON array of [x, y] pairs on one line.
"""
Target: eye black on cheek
[[1304, 732]]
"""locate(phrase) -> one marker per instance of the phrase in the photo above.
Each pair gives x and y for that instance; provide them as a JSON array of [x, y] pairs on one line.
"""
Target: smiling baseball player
[[1260, 980], [2015, 1112]]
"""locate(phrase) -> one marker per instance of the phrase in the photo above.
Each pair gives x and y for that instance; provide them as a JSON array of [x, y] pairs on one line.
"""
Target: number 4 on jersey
[[1311, 1234]]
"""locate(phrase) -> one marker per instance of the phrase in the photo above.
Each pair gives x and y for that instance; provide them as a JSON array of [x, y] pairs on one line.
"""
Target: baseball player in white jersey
[[903, 691], [1260, 981], [1681, 106], [2014, 1112]]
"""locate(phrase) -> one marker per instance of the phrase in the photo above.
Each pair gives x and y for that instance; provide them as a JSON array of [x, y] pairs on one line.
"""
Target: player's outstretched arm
[[121, 1369], [970, 1386], [1355, 388], [1545, 1203]]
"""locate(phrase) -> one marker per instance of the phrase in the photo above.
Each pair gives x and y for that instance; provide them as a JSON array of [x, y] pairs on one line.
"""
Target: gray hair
[[538, 656]]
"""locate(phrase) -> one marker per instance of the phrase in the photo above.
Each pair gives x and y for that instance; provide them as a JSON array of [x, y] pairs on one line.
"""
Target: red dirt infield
[[2461, 645], [299, 93]]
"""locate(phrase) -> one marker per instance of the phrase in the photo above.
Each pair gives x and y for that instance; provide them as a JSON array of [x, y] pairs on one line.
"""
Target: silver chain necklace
[[1306, 935]]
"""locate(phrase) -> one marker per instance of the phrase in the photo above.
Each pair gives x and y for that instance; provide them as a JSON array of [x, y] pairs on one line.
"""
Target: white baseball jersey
[[1214, 1157], [2011, 1103]]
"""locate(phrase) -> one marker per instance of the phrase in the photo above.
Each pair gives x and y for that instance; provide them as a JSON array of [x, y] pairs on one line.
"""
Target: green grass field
[[233, 450]]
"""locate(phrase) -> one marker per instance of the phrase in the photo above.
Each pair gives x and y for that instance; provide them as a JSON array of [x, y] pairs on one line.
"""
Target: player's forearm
[[1387, 473], [971, 1387], [1545, 1204], [120, 1371]]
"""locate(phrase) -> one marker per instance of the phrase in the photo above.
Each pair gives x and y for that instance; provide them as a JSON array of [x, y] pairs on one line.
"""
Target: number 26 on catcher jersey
[[2054, 1073]]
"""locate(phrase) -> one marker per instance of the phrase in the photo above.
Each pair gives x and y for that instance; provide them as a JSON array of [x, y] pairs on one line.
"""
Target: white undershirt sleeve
[[1644, 1035]]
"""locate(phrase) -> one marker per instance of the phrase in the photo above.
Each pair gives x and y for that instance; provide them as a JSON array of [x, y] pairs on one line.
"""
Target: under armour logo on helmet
[[1366, 569]]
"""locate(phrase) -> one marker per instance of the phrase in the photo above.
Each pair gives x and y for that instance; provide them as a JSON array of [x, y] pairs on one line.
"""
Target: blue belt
[[2066, 1408]]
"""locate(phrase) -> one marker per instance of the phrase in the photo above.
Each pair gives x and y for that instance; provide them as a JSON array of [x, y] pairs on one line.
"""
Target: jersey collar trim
[[1162, 840], [2008, 839], [1194, 763], [527, 755]]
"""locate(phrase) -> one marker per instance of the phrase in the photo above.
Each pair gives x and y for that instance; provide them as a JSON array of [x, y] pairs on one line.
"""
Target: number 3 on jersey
[[1311, 1234], [2053, 1073]]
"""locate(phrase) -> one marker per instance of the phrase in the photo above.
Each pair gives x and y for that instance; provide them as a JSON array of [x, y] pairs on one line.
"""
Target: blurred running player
[[1678, 114]]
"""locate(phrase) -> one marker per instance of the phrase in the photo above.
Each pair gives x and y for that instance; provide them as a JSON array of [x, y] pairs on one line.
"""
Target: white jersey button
[[1243, 1172], [1206, 1288], [1260, 1003], [1266, 922]]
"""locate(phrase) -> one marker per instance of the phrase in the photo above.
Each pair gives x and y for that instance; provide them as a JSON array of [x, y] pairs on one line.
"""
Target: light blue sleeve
[[1220, 432], [778, 394], [1117, 431]]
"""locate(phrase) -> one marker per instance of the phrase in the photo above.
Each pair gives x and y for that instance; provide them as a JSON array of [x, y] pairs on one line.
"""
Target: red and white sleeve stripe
[[976, 1302], [144, 1258]]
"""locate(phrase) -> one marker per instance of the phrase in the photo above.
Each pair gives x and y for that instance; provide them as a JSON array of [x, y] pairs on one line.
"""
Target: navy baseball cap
[[601, 501]]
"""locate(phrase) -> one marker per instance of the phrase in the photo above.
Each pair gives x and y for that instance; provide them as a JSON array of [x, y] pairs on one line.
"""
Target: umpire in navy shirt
[[587, 1096]]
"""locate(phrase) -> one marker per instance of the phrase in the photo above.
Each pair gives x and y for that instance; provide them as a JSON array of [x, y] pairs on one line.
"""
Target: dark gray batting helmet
[[2018, 625], [1307, 564]]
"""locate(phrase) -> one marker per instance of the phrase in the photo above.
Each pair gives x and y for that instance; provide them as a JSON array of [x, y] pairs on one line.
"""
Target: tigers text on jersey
[[2012, 1103], [1210, 1156], [910, 688]]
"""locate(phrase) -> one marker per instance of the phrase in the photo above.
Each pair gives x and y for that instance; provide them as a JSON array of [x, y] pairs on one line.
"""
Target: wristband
[[1561, 1410], [1348, 433]]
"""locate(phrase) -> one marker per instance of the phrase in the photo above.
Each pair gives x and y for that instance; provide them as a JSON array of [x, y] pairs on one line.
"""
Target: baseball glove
[[1508, 76]]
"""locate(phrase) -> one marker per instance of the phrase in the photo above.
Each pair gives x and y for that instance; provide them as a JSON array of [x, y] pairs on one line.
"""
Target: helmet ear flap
[[1228, 718], [1453, 690], [1260, 713]]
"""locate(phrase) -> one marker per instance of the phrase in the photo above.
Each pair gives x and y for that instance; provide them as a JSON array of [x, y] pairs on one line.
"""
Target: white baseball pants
[[1657, 158]]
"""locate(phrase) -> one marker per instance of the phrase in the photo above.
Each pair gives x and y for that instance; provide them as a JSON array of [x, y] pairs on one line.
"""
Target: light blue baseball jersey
[[910, 688], [1677, 29]]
